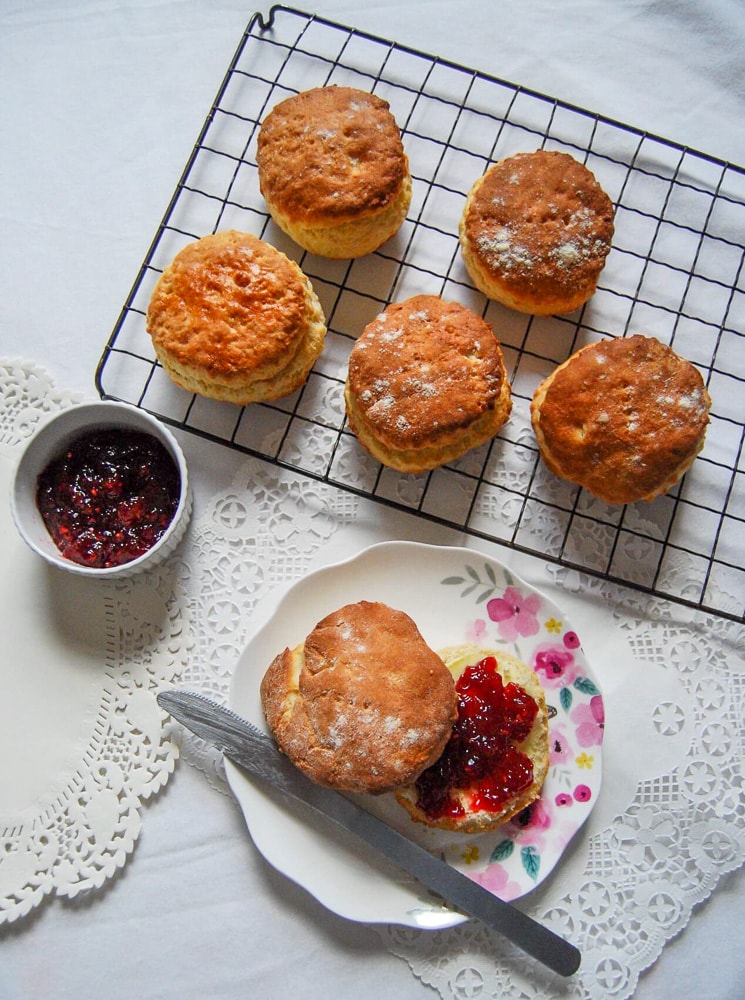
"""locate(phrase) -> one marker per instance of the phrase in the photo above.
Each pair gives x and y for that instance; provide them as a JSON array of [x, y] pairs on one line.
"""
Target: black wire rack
[[675, 272]]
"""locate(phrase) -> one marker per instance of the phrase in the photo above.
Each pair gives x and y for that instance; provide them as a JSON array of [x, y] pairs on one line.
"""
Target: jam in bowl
[[102, 489]]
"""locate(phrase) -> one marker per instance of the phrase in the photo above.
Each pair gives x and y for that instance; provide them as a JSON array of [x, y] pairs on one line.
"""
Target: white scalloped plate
[[454, 595]]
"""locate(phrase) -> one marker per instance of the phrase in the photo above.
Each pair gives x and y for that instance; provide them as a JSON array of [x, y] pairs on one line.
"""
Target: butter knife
[[255, 752]]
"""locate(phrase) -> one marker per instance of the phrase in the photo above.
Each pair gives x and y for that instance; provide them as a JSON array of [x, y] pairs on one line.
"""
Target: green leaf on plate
[[565, 697], [502, 851], [531, 861], [585, 685]]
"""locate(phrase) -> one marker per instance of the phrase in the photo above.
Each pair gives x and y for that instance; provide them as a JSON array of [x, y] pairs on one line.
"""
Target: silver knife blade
[[255, 752]]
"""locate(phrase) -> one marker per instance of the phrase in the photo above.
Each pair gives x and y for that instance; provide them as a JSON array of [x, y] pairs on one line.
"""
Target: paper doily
[[82, 739], [669, 826]]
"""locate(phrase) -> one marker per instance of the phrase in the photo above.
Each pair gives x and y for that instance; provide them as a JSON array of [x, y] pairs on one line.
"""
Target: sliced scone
[[496, 759]]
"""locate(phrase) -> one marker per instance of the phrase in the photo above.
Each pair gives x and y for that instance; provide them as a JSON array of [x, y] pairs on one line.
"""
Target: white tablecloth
[[102, 103]]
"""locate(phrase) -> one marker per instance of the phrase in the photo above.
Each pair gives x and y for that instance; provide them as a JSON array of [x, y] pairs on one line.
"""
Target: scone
[[333, 171], [233, 318], [426, 382], [623, 418], [363, 704], [497, 759], [535, 232]]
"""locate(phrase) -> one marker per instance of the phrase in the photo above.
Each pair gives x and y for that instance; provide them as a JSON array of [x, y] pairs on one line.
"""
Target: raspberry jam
[[481, 754], [109, 497]]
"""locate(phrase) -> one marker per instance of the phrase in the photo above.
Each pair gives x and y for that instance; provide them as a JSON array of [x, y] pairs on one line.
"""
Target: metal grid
[[675, 272]]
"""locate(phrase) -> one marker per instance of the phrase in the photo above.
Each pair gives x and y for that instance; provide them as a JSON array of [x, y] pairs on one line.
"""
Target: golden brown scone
[[466, 809], [426, 382], [333, 170], [535, 232], [623, 418], [233, 318], [363, 704]]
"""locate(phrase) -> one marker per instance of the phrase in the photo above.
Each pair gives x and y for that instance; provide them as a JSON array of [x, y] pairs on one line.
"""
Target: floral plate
[[455, 595]]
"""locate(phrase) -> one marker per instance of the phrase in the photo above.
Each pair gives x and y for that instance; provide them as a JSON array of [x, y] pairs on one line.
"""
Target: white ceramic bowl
[[50, 440]]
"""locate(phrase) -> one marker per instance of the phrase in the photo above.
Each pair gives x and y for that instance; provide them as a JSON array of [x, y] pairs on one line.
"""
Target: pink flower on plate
[[559, 747], [589, 720], [476, 631], [515, 613], [557, 664], [532, 824], [496, 879]]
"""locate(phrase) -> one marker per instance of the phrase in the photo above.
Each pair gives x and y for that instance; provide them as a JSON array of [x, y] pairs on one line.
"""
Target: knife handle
[[456, 888]]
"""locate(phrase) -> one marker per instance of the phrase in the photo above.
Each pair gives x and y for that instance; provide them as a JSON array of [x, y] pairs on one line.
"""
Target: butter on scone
[[362, 704], [333, 171], [535, 232], [426, 382], [497, 759], [233, 318], [623, 418]]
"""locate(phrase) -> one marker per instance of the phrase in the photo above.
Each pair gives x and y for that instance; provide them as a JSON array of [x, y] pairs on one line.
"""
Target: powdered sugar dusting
[[421, 387], [567, 254], [501, 249], [337, 732], [391, 336], [564, 240], [693, 401], [382, 405], [413, 737]]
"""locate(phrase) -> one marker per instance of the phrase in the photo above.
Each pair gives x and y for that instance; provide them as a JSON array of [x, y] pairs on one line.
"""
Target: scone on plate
[[624, 418], [535, 232], [234, 319], [333, 171], [426, 382], [363, 704], [497, 758]]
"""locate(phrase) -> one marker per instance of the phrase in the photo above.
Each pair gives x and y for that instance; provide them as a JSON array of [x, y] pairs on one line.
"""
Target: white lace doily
[[670, 819], [82, 740]]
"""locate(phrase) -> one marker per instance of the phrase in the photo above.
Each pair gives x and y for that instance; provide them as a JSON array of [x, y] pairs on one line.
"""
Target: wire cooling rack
[[675, 272]]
